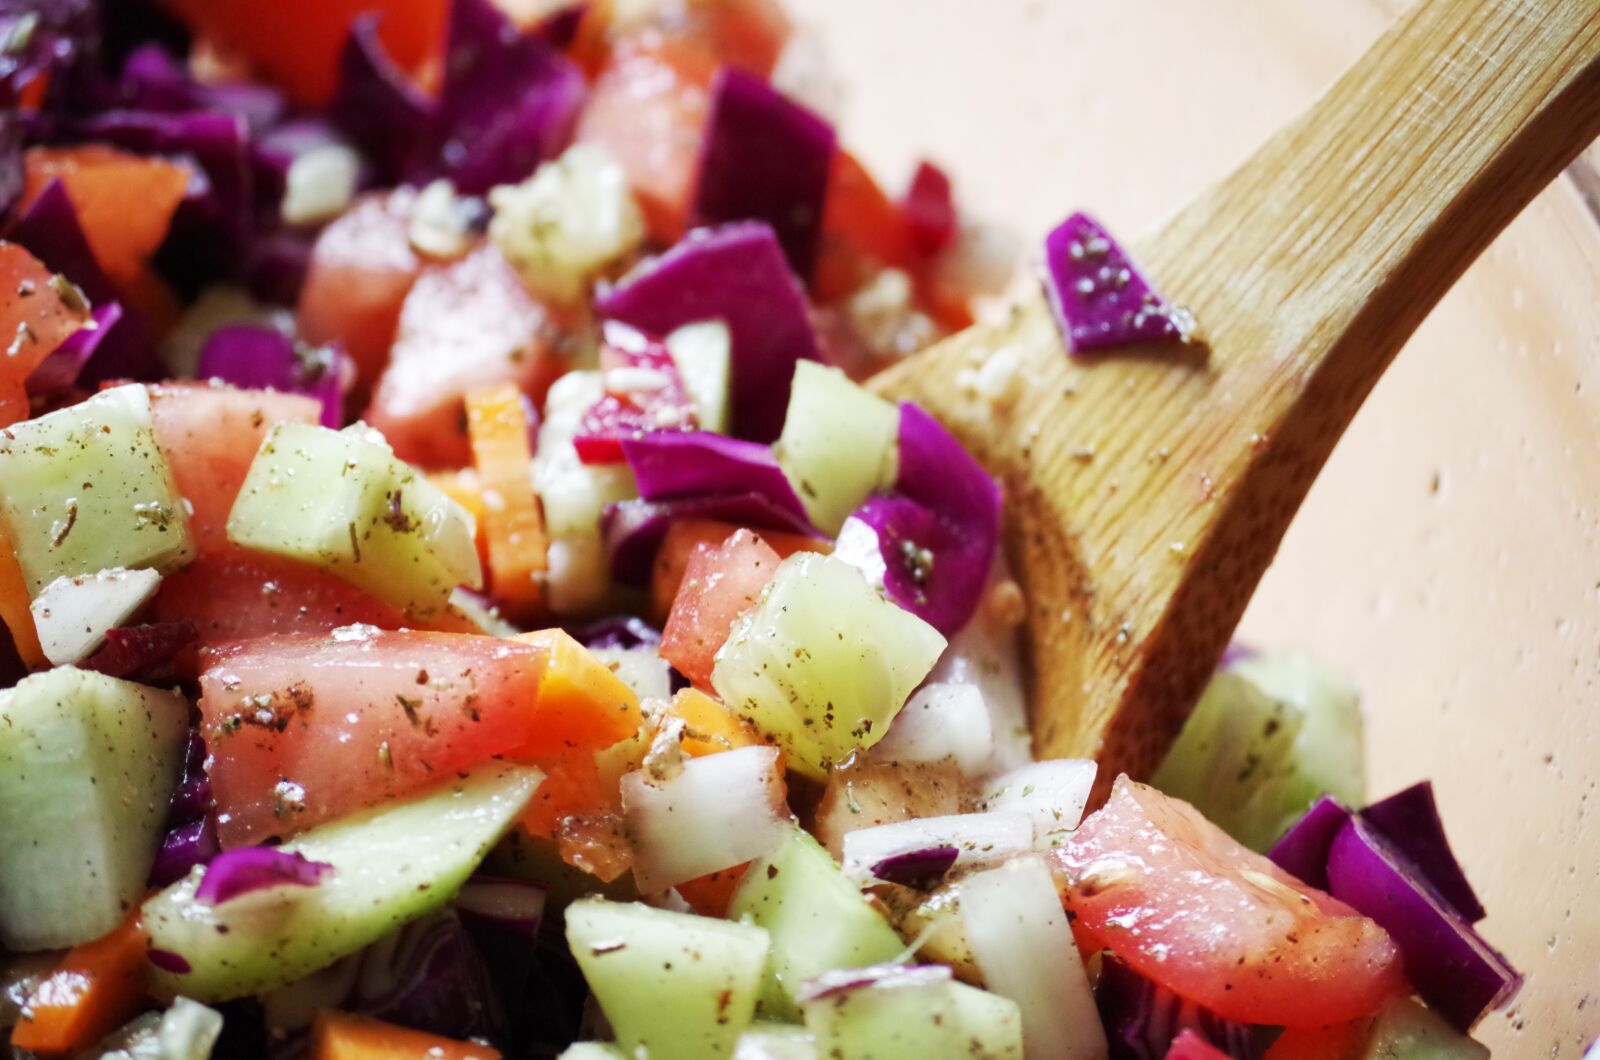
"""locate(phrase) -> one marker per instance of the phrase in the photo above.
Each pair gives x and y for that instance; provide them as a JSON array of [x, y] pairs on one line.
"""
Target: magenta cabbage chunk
[[184, 847], [736, 273], [917, 868], [1142, 1019], [153, 80], [41, 37], [1098, 295], [1302, 851], [252, 357], [1409, 820], [61, 368], [671, 465], [249, 869], [377, 106], [1456, 971], [764, 158]]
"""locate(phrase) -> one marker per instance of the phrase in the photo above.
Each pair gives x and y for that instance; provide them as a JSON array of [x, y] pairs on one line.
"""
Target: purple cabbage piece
[[765, 158], [152, 80], [1237, 651], [1459, 974], [922, 869], [937, 537], [1302, 851], [737, 274], [273, 153], [42, 37], [60, 370], [1409, 820], [377, 106], [11, 179], [1142, 1019], [670, 465], [616, 631], [276, 265], [168, 961], [49, 229], [182, 849], [192, 799], [559, 28], [633, 529], [1099, 297], [509, 99], [254, 357], [430, 976], [249, 869]]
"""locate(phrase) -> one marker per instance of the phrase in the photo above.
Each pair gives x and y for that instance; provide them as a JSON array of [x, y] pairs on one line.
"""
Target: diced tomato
[[749, 34], [296, 43], [361, 268], [863, 231], [647, 108], [1190, 1046], [464, 325], [1171, 894], [711, 894], [1342, 1041], [346, 1036], [720, 583], [124, 201], [37, 312], [302, 729], [684, 537], [929, 209]]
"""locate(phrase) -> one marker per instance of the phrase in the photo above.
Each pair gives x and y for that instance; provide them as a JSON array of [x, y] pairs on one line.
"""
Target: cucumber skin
[[924, 1022], [392, 864], [85, 489], [816, 918], [674, 986], [81, 751]]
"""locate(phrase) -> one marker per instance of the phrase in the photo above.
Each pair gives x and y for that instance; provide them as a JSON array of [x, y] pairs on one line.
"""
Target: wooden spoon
[[1148, 489]]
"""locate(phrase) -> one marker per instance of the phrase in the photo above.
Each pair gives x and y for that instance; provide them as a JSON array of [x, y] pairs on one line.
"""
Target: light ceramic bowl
[[1449, 557]]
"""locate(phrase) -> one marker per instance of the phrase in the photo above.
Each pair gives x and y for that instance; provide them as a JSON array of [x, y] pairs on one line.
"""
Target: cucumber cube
[[392, 864], [1407, 1031], [823, 663], [839, 443], [703, 354], [87, 763], [674, 986], [910, 1013], [86, 489], [817, 920], [340, 500]]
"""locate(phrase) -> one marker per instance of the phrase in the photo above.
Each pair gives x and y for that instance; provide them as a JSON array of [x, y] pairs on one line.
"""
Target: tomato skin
[[462, 326], [34, 320], [302, 729], [1190, 1046], [361, 268], [863, 231], [720, 583], [1184, 905], [684, 538]]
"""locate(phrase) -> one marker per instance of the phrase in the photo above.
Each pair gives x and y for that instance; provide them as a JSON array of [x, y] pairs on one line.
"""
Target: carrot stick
[[344, 1036], [97, 987], [498, 426], [14, 610]]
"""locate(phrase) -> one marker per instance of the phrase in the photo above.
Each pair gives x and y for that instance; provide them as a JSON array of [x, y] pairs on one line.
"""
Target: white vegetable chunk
[[1053, 793], [942, 721], [977, 837], [73, 615]]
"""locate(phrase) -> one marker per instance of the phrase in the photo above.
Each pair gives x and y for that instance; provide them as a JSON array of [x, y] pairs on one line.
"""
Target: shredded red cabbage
[[1099, 296], [1143, 1019], [249, 869], [41, 37], [378, 107], [737, 274], [60, 370], [922, 869], [182, 849], [255, 357], [765, 158]]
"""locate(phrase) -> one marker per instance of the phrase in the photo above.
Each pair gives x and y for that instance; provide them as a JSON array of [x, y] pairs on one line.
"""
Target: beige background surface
[[1449, 559]]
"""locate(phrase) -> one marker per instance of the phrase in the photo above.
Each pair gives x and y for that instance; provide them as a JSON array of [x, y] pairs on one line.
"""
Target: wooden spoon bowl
[[1149, 489]]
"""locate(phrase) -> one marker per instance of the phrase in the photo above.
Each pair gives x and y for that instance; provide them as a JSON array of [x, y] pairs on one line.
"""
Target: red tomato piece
[[37, 312], [683, 540], [465, 325], [647, 109], [929, 209], [1175, 897], [124, 201], [711, 894], [1190, 1046], [296, 43], [863, 231], [302, 729], [720, 583], [361, 268], [644, 392], [1342, 1041]]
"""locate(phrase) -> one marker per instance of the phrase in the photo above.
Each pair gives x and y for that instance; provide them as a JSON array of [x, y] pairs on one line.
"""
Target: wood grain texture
[[1148, 491]]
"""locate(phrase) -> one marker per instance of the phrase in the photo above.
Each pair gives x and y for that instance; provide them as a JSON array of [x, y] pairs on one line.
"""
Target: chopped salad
[[464, 599]]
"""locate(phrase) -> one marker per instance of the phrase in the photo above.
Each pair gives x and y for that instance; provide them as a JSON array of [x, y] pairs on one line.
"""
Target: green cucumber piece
[[340, 500], [818, 921], [391, 865], [1407, 1031], [1268, 736], [915, 1013], [86, 489], [674, 986], [87, 764], [703, 354], [839, 443], [823, 663]]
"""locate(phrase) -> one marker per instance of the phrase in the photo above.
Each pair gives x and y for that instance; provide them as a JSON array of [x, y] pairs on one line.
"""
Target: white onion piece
[[977, 837], [641, 669], [775, 1041], [508, 900], [1053, 793], [940, 721], [986, 654], [73, 615], [1021, 942], [320, 184], [721, 811]]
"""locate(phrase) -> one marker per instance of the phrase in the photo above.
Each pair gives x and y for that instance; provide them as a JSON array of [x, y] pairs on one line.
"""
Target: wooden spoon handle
[[1149, 492]]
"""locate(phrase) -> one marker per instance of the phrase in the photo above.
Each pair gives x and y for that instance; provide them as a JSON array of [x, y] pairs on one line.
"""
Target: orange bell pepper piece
[[582, 705], [343, 1036], [513, 522], [709, 727], [98, 987]]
